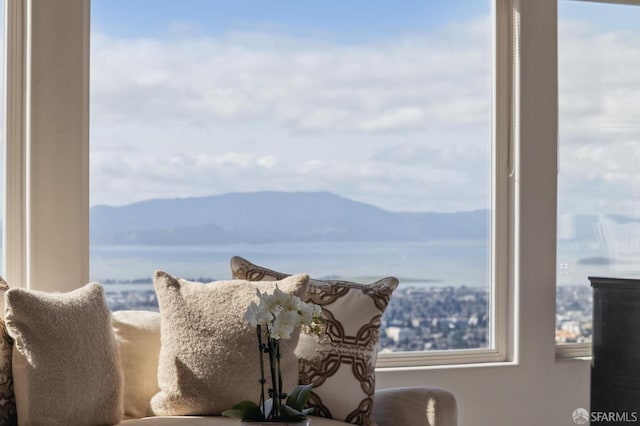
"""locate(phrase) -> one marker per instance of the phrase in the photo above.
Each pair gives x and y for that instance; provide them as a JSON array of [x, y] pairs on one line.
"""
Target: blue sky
[[604, 16], [352, 20]]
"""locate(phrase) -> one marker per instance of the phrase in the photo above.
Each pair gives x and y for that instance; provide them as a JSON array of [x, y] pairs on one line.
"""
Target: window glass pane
[[323, 137], [599, 155], [2, 135]]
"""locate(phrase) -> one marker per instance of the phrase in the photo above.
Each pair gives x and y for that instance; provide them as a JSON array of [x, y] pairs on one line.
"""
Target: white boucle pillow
[[66, 367], [138, 337], [209, 357]]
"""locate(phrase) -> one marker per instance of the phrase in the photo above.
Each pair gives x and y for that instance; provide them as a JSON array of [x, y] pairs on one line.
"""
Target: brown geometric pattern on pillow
[[7, 398], [330, 292], [341, 361], [319, 370], [242, 269]]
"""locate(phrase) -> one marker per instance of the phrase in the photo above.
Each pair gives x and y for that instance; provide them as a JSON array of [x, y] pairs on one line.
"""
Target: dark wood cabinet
[[615, 368]]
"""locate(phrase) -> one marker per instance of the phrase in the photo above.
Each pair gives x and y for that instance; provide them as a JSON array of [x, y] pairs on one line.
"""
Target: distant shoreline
[[404, 282]]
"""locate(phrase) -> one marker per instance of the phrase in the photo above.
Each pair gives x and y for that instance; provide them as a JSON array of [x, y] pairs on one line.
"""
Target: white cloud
[[196, 115], [599, 122], [403, 117], [300, 84], [403, 124], [268, 162]]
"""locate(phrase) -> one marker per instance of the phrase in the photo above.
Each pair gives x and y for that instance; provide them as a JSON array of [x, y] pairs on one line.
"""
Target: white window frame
[[504, 129], [47, 209], [14, 229], [46, 236]]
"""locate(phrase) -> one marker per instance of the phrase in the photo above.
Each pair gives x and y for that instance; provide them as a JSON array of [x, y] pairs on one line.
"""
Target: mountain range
[[270, 216]]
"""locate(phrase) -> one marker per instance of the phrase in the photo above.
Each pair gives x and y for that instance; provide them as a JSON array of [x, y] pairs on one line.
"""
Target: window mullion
[[57, 154], [14, 232]]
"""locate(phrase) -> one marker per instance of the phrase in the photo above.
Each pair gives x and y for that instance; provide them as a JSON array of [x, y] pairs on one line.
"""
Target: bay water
[[434, 263], [441, 263]]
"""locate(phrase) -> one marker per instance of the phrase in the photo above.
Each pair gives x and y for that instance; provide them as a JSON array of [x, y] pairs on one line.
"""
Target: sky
[[389, 106], [337, 19], [599, 102]]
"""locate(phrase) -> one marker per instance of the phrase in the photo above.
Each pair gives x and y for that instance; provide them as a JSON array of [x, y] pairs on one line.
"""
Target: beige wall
[[528, 394]]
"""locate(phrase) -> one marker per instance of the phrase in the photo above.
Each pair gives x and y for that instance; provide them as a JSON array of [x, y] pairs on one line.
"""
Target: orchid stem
[[275, 391], [262, 379]]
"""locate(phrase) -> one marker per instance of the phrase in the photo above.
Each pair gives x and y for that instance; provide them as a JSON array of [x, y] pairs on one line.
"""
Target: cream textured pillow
[[138, 337], [341, 362], [7, 399], [209, 356], [66, 368]]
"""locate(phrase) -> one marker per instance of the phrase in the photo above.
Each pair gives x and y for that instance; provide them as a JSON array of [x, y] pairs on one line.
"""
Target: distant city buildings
[[430, 318], [574, 314]]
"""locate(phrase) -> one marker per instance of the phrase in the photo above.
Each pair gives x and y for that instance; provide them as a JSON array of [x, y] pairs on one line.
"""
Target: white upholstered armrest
[[415, 406]]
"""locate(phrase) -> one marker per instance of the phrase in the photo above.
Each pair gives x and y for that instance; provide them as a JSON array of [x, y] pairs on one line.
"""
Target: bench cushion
[[211, 421]]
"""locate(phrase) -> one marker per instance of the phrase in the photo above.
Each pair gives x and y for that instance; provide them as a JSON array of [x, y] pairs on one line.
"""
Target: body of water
[[433, 263], [436, 263]]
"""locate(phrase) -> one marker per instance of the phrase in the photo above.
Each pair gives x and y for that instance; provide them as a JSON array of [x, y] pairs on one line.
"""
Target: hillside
[[267, 217]]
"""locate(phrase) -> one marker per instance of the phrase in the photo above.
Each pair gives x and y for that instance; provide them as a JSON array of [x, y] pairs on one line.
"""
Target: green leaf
[[245, 410], [235, 413], [299, 396], [246, 405], [291, 414]]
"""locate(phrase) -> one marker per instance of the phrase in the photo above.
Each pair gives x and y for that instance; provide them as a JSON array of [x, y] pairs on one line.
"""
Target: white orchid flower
[[291, 304], [256, 315], [283, 325], [282, 312], [306, 313], [250, 314], [269, 303], [281, 296]]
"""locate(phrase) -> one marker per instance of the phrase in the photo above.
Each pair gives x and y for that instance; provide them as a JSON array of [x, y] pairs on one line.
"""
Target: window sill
[[438, 359], [573, 351]]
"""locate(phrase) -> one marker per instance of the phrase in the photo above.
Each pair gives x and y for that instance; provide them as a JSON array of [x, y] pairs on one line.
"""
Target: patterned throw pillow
[[7, 398], [341, 362]]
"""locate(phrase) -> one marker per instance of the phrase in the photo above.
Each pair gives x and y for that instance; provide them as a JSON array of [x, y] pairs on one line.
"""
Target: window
[[55, 247], [376, 127], [599, 153]]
